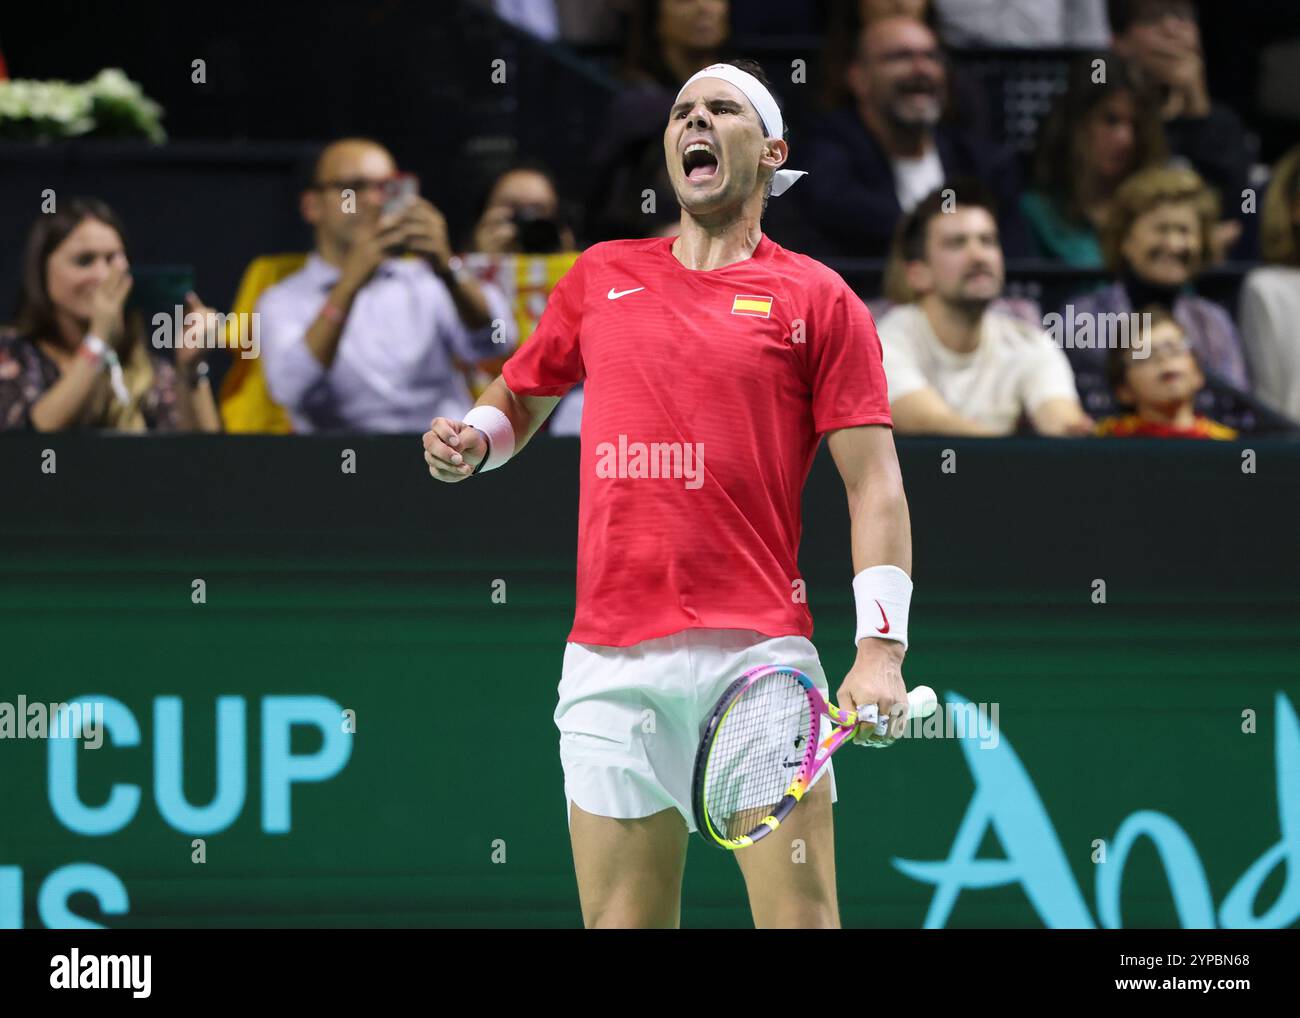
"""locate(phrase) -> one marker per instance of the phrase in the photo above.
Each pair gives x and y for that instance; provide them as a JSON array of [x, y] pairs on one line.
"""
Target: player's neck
[[703, 247]]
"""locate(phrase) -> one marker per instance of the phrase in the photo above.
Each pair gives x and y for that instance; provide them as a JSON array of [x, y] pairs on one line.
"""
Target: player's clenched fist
[[453, 449]]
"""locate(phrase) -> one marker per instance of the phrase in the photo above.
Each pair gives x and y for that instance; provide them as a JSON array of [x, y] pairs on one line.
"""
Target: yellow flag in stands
[[527, 282], [246, 403]]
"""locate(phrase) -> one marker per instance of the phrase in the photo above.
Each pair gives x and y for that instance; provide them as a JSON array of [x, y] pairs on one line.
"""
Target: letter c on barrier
[[123, 799]]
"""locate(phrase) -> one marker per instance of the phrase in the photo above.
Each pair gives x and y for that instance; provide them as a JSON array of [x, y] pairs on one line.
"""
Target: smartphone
[[159, 290], [537, 234], [399, 191]]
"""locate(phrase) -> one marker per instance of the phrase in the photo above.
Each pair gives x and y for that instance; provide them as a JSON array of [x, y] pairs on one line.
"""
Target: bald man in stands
[[365, 336], [873, 160]]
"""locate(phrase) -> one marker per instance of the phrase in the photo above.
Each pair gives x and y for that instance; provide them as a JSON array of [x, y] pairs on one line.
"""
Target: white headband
[[769, 114]]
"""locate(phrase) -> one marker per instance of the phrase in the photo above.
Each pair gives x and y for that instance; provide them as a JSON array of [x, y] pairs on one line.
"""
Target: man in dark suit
[[875, 158]]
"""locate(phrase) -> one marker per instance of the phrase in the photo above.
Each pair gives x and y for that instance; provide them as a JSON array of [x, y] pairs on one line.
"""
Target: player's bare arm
[[452, 449], [881, 535]]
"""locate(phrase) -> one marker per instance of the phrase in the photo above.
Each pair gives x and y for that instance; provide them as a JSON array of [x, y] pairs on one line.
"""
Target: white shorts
[[631, 718]]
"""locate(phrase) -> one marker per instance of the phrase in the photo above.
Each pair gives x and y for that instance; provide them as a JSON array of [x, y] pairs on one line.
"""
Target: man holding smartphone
[[364, 337]]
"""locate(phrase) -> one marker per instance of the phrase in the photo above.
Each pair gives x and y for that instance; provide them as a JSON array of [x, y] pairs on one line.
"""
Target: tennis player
[[714, 362]]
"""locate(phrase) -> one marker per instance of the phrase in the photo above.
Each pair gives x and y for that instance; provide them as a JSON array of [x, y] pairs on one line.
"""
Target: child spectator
[[1159, 380]]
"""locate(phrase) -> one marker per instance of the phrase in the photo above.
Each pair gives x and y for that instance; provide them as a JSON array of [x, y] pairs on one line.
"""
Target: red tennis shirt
[[706, 396]]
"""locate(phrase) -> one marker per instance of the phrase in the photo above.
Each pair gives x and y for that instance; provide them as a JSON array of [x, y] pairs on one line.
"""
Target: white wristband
[[501, 436], [95, 347], [883, 595], [106, 355]]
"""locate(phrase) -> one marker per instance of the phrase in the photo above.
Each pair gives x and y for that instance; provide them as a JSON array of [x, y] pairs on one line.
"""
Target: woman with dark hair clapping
[[79, 360]]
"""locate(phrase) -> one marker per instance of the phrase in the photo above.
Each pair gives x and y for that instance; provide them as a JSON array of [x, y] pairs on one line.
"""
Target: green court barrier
[[347, 729]]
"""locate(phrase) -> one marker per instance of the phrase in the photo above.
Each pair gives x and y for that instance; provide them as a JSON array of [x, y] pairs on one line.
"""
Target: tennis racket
[[760, 751]]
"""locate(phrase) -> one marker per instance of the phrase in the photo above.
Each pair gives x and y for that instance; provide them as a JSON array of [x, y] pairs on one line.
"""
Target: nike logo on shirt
[[616, 294]]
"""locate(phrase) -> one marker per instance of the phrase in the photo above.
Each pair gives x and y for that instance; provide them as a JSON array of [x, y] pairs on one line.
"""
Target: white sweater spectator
[[1013, 370], [1268, 313], [1031, 24]]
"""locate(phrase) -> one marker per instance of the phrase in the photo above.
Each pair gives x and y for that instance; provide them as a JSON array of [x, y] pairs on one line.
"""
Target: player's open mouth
[[699, 162]]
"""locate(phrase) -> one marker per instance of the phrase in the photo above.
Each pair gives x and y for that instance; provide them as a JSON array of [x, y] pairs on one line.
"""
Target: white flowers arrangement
[[109, 105]]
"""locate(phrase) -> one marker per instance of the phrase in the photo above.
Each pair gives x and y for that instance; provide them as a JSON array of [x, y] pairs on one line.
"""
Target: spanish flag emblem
[[749, 304]]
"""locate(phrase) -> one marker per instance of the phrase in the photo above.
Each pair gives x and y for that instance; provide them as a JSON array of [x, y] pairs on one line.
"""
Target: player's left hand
[[876, 678]]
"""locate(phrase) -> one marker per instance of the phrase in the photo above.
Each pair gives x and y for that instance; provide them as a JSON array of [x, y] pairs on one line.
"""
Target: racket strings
[[756, 753]]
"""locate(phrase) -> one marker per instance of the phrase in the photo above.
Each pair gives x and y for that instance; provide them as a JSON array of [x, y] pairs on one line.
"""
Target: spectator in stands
[[1270, 297], [1158, 379], [362, 338], [967, 98], [79, 358], [573, 21], [954, 365], [845, 21], [853, 14], [1161, 38], [672, 39], [790, 25], [1157, 238], [875, 10], [1027, 24], [874, 159], [521, 215], [1097, 135], [669, 40]]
